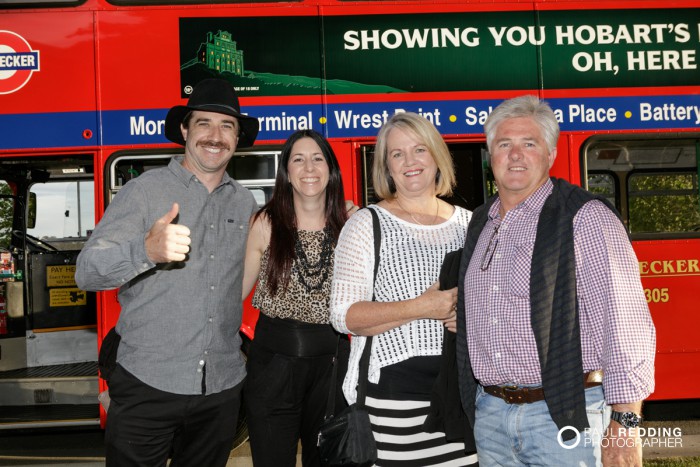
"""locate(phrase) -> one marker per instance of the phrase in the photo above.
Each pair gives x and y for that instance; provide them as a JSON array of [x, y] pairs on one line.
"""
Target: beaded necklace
[[313, 275]]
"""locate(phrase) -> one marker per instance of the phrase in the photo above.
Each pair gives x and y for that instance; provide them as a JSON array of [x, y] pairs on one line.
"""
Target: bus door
[[48, 326]]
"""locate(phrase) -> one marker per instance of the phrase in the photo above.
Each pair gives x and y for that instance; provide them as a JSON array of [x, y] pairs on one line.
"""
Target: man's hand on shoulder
[[351, 207], [167, 242]]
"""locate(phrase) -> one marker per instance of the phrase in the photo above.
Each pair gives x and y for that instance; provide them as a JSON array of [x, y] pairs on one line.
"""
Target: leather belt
[[528, 395]]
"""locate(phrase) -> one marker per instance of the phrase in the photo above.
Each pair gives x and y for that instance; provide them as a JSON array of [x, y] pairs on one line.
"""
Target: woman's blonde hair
[[427, 134]]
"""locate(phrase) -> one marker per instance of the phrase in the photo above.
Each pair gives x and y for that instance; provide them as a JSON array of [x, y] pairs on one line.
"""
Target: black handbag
[[347, 438]]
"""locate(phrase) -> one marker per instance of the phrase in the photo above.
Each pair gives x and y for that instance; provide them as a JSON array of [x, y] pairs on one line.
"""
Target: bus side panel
[[144, 74], [670, 271], [349, 161], [56, 105], [141, 70]]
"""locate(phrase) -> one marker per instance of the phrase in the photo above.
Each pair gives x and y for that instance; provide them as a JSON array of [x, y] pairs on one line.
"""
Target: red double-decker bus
[[85, 87]]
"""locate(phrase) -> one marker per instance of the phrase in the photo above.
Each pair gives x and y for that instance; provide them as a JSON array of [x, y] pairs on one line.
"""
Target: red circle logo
[[17, 62]]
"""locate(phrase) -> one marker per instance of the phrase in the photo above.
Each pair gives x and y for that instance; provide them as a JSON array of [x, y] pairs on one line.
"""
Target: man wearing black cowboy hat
[[173, 241]]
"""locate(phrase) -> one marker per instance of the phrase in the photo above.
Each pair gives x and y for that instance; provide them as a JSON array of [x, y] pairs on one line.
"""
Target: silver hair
[[527, 106]]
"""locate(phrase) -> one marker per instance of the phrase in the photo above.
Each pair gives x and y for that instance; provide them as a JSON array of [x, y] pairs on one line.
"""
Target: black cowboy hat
[[212, 95]]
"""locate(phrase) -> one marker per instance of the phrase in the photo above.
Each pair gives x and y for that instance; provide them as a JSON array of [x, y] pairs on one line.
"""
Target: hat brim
[[249, 125]]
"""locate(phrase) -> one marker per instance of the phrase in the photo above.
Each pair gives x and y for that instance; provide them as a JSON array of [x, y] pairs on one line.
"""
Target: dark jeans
[[285, 399], [145, 425]]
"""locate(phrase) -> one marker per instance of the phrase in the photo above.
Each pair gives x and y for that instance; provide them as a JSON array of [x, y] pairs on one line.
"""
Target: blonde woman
[[412, 168]]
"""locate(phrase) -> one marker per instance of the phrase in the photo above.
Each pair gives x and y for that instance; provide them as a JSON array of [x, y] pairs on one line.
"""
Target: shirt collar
[[185, 176], [533, 203]]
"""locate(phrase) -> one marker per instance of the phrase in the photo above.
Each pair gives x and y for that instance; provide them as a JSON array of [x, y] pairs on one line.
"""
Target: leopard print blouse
[[297, 303]]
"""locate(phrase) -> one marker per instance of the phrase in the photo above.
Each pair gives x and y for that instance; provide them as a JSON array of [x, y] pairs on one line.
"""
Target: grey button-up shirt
[[179, 320]]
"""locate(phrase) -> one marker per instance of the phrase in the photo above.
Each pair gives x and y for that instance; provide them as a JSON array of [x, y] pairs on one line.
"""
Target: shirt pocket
[[235, 236], [519, 270]]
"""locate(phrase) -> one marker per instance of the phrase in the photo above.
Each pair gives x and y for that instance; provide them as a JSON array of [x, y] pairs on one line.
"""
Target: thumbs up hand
[[167, 242]]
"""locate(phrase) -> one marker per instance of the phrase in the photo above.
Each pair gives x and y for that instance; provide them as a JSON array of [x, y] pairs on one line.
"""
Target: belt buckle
[[508, 391], [595, 376]]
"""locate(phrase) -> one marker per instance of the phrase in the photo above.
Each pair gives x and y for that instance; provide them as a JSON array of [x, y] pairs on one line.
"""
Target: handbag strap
[[330, 404], [364, 359]]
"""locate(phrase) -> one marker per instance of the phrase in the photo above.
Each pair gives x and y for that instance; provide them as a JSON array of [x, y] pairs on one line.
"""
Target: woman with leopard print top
[[290, 256]]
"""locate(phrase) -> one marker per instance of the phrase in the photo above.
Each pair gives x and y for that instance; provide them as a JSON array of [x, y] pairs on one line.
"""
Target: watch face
[[628, 419]]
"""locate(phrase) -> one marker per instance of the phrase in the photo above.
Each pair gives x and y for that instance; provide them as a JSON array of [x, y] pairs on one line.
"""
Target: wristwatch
[[626, 419]]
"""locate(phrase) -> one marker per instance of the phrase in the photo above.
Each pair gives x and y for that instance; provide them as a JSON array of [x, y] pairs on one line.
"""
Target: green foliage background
[[6, 207], [650, 211]]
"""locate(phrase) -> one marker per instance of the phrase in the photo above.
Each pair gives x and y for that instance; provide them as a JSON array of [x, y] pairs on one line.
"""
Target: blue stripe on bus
[[348, 120], [48, 130]]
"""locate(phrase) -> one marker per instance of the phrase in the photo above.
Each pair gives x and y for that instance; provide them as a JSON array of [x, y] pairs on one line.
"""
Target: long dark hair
[[283, 219]]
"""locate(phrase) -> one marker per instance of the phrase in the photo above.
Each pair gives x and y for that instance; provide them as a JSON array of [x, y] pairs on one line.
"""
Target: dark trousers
[[285, 399], [145, 425]]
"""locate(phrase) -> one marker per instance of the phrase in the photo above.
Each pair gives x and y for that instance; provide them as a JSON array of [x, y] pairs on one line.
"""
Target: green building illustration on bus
[[219, 52]]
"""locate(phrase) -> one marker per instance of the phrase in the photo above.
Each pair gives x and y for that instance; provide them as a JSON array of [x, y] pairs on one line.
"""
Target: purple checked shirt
[[617, 333]]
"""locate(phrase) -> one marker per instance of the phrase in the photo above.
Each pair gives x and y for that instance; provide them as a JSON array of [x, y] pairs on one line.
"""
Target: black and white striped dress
[[397, 427], [404, 361], [398, 406]]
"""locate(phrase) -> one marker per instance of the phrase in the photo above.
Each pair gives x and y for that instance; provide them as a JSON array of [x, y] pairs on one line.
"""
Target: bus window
[[473, 182], [663, 202], [256, 166], [652, 182], [125, 168], [65, 212], [254, 170], [603, 184], [261, 194]]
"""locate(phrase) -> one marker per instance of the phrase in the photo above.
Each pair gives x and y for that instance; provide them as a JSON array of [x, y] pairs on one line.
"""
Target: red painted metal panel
[[65, 80], [670, 271]]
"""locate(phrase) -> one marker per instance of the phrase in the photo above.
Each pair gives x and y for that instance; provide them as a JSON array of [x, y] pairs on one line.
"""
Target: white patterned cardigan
[[410, 260]]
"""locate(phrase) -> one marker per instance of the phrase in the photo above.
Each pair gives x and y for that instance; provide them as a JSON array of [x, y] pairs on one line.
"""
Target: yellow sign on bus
[[67, 297], [60, 275]]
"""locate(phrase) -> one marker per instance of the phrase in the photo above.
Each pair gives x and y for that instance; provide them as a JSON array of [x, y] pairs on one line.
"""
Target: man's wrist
[[627, 419]]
